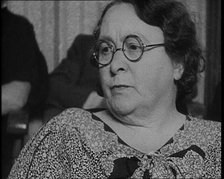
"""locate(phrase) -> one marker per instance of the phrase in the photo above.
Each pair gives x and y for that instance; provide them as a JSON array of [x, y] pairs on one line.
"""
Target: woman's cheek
[[104, 79]]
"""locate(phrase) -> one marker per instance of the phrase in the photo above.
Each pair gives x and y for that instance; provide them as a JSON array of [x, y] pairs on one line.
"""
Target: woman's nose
[[119, 62]]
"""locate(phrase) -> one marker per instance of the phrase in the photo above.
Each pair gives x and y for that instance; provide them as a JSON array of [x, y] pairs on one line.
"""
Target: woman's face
[[135, 87]]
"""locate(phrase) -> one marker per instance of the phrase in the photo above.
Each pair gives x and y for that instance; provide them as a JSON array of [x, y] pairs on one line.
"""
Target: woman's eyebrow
[[107, 38], [123, 36], [140, 35]]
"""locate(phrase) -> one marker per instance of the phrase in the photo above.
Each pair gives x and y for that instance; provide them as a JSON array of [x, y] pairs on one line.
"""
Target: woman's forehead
[[121, 20]]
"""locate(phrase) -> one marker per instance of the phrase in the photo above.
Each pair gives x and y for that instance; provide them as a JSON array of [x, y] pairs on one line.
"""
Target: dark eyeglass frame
[[142, 45]]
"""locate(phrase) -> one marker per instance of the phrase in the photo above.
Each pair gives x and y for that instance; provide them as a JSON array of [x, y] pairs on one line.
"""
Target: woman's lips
[[119, 88]]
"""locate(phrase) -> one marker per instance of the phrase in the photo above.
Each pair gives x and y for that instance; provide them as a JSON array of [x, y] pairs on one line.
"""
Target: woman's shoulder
[[205, 138], [69, 119], [204, 130], [66, 125], [204, 124], [75, 121], [61, 139]]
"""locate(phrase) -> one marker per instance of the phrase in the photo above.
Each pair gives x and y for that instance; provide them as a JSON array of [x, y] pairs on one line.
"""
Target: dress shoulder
[[208, 138], [69, 119], [203, 132], [204, 126], [55, 145]]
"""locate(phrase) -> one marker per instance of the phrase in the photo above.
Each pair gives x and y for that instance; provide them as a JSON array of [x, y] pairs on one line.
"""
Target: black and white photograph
[[111, 89]]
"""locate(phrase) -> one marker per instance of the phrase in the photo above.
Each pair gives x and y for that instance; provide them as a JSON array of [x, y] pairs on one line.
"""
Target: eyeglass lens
[[132, 49]]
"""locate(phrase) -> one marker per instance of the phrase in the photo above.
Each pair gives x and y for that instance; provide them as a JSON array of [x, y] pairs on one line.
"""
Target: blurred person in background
[[74, 81], [24, 80]]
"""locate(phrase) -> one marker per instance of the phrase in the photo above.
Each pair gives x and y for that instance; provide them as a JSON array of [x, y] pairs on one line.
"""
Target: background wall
[[57, 23]]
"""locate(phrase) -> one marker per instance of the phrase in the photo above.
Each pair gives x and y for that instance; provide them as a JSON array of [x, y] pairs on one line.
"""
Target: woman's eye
[[133, 47], [104, 50]]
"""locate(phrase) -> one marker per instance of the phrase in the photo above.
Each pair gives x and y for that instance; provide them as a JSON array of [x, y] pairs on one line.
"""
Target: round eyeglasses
[[132, 48]]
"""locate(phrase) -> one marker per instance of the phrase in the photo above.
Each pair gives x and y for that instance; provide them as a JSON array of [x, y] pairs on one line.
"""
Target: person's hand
[[14, 95]]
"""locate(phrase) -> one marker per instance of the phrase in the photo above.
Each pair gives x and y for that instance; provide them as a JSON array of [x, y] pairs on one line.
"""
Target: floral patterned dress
[[77, 144]]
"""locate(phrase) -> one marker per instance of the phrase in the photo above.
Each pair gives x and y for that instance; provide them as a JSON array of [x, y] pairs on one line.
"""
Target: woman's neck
[[146, 135], [148, 117]]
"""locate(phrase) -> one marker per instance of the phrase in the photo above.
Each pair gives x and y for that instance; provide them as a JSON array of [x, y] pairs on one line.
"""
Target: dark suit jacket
[[73, 79], [22, 59]]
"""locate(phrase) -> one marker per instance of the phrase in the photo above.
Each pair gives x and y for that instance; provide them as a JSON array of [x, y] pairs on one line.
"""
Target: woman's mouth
[[119, 88]]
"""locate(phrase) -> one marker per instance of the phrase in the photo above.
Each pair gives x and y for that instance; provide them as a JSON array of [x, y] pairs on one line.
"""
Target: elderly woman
[[147, 54]]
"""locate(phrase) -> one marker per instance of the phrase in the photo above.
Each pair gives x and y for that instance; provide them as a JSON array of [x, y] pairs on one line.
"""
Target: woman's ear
[[178, 70]]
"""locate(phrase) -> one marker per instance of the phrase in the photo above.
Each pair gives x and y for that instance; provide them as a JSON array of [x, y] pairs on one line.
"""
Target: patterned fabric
[[77, 144]]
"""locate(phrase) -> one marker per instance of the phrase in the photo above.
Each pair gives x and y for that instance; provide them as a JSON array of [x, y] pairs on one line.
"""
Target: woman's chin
[[120, 108]]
